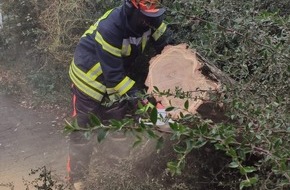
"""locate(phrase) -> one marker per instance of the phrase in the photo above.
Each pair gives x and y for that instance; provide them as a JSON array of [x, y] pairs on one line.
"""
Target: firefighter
[[100, 69]]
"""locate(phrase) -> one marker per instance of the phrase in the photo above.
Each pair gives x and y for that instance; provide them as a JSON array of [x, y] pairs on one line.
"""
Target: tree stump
[[179, 67]]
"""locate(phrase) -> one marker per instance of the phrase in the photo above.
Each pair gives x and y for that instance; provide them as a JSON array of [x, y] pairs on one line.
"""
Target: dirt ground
[[31, 132], [29, 139]]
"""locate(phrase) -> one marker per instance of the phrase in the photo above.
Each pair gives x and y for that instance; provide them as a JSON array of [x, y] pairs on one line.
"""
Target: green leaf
[[244, 183], [169, 109], [247, 169], [142, 125], [160, 143], [75, 125], [151, 134], [186, 104], [283, 166], [249, 182], [231, 152], [179, 149], [154, 115], [174, 126], [95, 121], [234, 164], [88, 135], [101, 134], [219, 146], [197, 144], [69, 128], [155, 89], [137, 142], [254, 180], [277, 143], [229, 140], [181, 115], [173, 168]]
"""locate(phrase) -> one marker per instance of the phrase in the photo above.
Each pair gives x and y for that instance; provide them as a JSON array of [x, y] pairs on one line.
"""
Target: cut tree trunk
[[180, 69]]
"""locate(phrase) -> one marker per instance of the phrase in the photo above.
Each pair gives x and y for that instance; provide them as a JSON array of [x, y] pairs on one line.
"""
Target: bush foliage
[[248, 40]]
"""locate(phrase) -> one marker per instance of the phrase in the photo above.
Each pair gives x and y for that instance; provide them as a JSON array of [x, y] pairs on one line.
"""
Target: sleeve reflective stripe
[[124, 85], [160, 30], [113, 95], [87, 80], [94, 27], [126, 47], [106, 46], [145, 38], [94, 72], [85, 89], [144, 42], [111, 91]]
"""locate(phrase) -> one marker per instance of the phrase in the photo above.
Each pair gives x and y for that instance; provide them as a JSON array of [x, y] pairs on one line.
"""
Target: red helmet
[[150, 8]]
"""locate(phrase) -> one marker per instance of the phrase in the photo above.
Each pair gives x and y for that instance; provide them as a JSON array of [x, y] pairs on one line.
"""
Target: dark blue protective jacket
[[105, 51]]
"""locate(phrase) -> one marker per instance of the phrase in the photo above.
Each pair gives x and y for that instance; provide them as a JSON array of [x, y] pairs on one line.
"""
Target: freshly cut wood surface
[[179, 67]]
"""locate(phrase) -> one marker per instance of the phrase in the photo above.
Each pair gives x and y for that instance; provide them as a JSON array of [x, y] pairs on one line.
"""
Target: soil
[[31, 130], [29, 139]]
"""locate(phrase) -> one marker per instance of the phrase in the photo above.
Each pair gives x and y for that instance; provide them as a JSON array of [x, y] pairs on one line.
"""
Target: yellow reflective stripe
[[144, 42], [126, 47], [124, 85], [94, 27], [112, 94], [94, 72], [91, 29], [145, 38], [85, 89], [160, 30], [113, 97], [87, 80], [111, 91], [106, 46]]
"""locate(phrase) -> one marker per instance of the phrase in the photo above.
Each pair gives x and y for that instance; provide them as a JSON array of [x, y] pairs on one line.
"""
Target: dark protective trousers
[[81, 148]]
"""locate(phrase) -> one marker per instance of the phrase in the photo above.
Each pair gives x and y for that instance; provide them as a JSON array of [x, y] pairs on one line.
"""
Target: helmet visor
[[151, 8]]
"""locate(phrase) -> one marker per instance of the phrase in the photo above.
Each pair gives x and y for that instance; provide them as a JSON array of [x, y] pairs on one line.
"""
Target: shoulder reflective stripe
[[106, 46], [145, 38], [124, 85], [94, 27], [87, 90], [160, 30], [91, 29], [87, 80], [94, 72], [126, 47]]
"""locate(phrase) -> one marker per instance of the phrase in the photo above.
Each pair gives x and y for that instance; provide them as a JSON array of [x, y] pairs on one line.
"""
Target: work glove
[[116, 111], [134, 95]]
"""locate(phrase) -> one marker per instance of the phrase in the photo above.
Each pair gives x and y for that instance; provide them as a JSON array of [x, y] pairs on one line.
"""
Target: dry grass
[[68, 21]]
